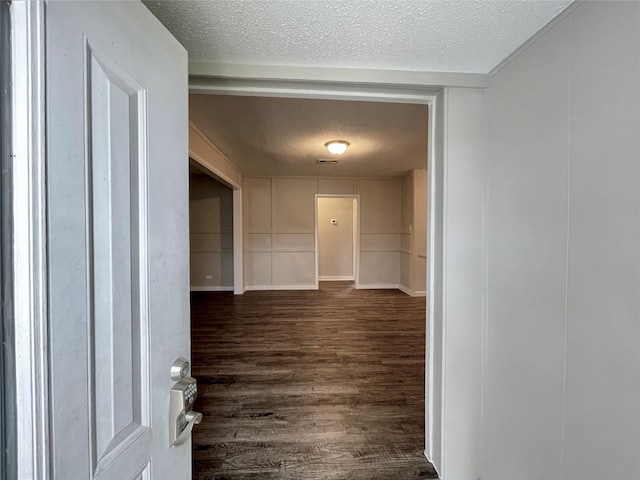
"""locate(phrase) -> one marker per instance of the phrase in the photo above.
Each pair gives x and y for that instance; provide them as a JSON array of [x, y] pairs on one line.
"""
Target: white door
[[117, 185]]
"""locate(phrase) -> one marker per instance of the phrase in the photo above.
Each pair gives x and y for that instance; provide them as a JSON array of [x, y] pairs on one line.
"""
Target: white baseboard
[[405, 290], [426, 455], [335, 279], [374, 286], [221, 288], [378, 286], [281, 287], [412, 293]]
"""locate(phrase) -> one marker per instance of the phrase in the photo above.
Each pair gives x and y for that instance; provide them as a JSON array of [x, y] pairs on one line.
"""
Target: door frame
[[216, 164], [29, 255], [375, 86], [238, 274], [7, 380], [355, 239]]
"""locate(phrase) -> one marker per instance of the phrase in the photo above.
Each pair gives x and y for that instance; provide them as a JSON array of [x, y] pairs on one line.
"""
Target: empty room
[[310, 362]]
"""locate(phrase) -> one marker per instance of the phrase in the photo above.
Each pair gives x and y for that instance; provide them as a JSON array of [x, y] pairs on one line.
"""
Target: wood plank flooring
[[307, 385]]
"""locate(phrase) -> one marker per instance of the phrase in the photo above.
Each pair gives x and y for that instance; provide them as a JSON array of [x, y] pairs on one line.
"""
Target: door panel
[[118, 239], [118, 321]]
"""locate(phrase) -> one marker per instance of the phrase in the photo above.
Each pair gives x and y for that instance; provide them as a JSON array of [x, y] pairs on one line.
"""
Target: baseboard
[[410, 292], [405, 290], [426, 455], [220, 288], [378, 286], [281, 287], [375, 286], [335, 279]]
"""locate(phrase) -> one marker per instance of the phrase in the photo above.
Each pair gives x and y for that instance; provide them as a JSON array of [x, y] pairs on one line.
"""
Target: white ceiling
[[419, 35], [286, 136]]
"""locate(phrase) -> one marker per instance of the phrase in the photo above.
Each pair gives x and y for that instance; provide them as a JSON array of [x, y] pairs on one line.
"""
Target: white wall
[[279, 232], [380, 218], [406, 231], [562, 343], [211, 234], [419, 249], [279, 215], [335, 239], [413, 240]]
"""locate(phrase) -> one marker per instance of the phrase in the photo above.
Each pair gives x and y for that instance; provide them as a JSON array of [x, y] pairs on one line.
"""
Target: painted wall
[[211, 234], [279, 216], [380, 218], [406, 233], [562, 340], [413, 239], [335, 238], [420, 209], [279, 232]]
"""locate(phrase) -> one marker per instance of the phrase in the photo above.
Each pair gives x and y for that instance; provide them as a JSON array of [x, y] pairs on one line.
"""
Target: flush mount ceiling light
[[337, 147]]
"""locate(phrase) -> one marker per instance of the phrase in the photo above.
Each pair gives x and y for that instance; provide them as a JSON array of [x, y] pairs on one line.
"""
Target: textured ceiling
[[423, 35], [286, 136], [269, 136]]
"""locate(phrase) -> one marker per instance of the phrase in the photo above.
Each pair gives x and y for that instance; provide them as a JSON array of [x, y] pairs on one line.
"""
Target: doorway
[[272, 200], [279, 233], [208, 159], [337, 238], [211, 249]]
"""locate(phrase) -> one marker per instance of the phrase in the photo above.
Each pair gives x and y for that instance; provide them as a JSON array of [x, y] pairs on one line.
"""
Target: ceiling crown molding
[[537, 36], [205, 72]]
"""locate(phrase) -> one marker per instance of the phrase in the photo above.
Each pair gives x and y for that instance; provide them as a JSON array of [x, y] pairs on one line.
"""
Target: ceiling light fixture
[[337, 147]]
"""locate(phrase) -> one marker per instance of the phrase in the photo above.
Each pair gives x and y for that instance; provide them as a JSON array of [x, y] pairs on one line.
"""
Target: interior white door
[[117, 181]]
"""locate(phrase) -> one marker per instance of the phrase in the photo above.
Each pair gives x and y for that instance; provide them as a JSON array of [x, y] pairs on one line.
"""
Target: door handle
[[192, 418], [181, 397]]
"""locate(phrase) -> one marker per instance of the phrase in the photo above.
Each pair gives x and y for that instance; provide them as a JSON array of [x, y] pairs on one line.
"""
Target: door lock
[[182, 395]]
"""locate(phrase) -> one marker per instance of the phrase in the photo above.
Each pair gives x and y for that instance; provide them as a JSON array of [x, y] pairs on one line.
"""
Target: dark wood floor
[[307, 385]]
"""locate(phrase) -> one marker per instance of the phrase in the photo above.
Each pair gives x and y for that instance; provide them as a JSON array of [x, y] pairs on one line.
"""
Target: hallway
[[325, 384]]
